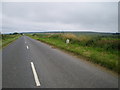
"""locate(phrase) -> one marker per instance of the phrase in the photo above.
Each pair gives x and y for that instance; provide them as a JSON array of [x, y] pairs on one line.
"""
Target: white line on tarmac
[[35, 75]]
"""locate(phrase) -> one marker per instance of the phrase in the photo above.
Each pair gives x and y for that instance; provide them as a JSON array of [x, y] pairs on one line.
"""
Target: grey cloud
[[100, 16]]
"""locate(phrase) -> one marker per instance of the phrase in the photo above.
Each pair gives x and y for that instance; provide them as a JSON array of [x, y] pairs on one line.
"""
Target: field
[[5, 39], [102, 49]]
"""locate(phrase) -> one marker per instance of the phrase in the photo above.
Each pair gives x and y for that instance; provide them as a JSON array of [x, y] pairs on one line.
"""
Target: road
[[28, 63]]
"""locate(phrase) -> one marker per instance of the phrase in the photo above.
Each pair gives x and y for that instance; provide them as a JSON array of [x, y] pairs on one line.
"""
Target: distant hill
[[76, 32]]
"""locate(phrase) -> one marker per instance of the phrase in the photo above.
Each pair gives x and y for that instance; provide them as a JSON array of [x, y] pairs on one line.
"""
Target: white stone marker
[[67, 41]]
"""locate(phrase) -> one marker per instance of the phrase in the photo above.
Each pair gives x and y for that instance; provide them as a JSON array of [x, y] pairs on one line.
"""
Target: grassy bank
[[99, 49], [6, 39]]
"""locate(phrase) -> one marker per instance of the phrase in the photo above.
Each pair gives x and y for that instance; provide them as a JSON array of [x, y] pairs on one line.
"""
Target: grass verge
[[103, 56], [7, 39]]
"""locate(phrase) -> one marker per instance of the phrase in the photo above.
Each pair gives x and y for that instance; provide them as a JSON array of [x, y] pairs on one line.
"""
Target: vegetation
[[98, 48], [5, 39]]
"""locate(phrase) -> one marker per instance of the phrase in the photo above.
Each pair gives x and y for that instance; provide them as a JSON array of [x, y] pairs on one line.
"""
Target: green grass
[[7, 39], [90, 47]]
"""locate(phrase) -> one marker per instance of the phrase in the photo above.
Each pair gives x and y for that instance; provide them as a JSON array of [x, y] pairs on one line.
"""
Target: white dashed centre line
[[35, 75], [27, 47]]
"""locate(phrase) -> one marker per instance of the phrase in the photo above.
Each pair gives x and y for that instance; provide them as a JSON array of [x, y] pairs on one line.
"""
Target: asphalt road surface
[[28, 63]]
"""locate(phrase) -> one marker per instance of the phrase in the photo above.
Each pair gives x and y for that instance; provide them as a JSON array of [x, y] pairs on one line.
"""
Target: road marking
[[35, 75], [27, 47]]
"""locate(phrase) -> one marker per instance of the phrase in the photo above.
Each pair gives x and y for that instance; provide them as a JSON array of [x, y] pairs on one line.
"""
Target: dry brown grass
[[70, 36], [79, 38], [84, 38]]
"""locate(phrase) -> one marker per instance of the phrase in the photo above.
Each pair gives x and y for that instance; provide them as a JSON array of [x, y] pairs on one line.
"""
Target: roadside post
[[67, 41]]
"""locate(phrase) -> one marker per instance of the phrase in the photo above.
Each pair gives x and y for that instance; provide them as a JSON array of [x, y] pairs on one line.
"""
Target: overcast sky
[[44, 16]]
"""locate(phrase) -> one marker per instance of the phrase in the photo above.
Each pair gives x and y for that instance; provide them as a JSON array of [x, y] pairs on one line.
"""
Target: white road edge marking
[[35, 75], [27, 47]]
